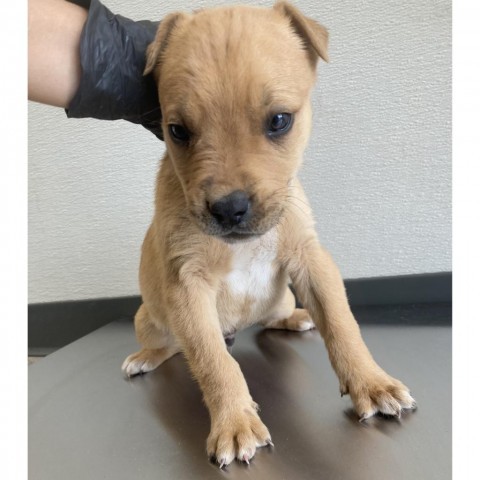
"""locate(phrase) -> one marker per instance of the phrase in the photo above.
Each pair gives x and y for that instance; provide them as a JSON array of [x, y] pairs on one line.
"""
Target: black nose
[[231, 209]]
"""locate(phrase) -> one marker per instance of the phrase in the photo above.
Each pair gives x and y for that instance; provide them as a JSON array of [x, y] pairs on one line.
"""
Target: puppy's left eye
[[179, 133], [279, 124]]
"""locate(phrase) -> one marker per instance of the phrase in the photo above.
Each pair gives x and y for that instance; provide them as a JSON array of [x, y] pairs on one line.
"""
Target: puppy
[[232, 225]]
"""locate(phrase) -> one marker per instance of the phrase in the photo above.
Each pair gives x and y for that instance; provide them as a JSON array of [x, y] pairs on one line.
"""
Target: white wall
[[377, 171]]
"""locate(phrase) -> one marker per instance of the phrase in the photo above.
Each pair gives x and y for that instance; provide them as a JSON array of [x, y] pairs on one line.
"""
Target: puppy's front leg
[[320, 288], [236, 429]]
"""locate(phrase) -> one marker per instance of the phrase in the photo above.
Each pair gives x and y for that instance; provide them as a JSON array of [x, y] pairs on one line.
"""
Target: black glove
[[112, 86]]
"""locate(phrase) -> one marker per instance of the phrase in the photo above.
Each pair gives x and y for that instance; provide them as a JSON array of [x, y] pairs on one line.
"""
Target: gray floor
[[88, 422]]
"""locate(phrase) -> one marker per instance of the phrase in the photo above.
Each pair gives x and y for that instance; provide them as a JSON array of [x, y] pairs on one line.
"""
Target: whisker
[[299, 200], [292, 203], [144, 114]]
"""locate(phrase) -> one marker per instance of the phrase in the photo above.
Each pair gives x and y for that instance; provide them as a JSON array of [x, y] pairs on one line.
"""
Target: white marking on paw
[[367, 415], [407, 401], [133, 366], [225, 458], [246, 454], [389, 406], [305, 325]]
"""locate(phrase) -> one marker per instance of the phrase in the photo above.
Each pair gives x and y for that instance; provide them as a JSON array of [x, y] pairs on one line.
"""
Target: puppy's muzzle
[[233, 210]]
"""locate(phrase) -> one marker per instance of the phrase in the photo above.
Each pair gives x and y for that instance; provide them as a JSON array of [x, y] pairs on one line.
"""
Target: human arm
[[91, 63], [54, 70]]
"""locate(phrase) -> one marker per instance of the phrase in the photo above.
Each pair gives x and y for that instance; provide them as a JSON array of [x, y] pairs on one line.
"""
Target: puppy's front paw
[[237, 435], [379, 393]]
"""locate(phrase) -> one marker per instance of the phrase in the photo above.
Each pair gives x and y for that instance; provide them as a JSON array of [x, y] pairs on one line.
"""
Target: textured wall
[[377, 170]]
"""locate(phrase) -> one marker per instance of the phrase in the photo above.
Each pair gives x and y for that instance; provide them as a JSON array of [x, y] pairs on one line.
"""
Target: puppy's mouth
[[244, 232], [235, 237]]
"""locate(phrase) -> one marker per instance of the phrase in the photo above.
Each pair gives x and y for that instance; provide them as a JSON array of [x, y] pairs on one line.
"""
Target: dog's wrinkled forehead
[[258, 56], [219, 60]]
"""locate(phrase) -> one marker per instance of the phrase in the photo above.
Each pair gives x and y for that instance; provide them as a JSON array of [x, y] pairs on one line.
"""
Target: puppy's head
[[234, 86]]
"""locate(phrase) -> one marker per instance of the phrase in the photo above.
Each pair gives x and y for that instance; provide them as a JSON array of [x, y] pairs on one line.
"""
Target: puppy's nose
[[231, 209]]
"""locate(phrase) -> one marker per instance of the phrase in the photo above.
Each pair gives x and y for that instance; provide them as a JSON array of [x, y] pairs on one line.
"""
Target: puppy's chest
[[252, 272], [250, 284]]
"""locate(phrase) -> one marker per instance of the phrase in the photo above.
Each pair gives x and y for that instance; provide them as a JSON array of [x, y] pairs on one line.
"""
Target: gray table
[[87, 422]]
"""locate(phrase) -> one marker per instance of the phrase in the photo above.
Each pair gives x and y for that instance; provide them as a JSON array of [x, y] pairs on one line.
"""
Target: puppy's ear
[[314, 35], [159, 44]]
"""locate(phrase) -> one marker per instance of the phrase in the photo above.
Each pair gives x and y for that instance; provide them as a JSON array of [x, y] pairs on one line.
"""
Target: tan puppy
[[232, 225]]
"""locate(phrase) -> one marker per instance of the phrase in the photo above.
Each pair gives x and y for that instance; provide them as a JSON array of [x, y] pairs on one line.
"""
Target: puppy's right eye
[[279, 124], [178, 133]]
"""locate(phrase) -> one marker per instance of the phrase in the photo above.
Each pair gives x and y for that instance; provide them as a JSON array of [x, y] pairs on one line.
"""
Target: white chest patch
[[252, 267]]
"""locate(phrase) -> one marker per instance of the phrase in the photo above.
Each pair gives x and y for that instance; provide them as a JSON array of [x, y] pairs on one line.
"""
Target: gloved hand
[[112, 86]]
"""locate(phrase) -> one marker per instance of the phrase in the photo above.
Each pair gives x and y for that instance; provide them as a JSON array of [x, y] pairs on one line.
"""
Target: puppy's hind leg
[[287, 317], [157, 343]]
